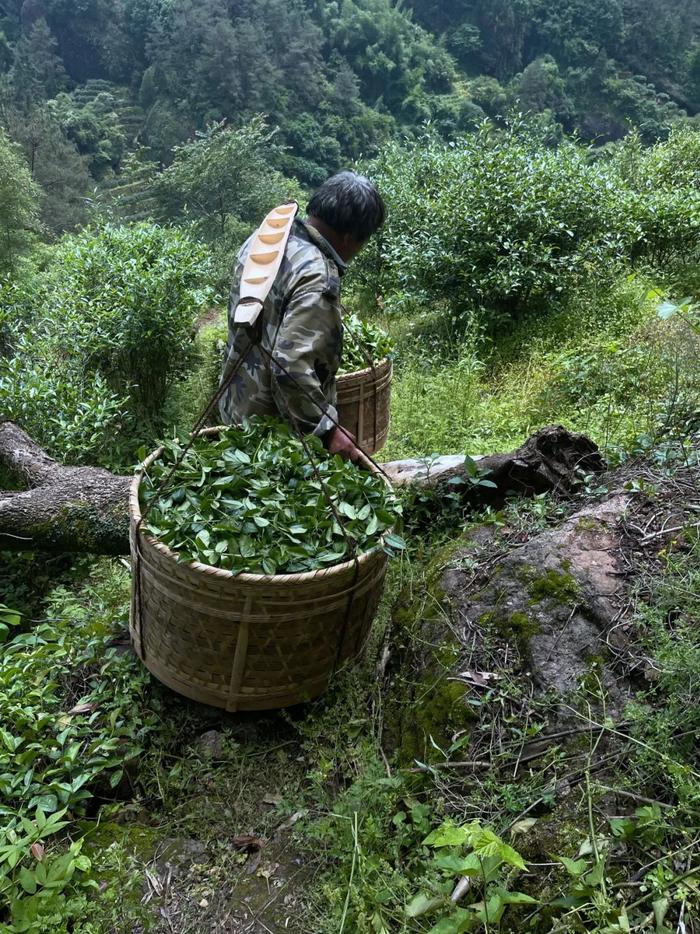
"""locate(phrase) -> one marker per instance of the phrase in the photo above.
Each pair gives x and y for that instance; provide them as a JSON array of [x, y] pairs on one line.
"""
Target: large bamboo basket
[[364, 401], [246, 641]]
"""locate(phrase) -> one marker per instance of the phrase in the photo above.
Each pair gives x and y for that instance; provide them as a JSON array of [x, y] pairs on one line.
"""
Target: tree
[[693, 76], [91, 37], [37, 72], [392, 56], [346, 86], [222, 178], [574, 31], [197, 53], [55, 165], [503, 27], [19, 204], [540, 87]]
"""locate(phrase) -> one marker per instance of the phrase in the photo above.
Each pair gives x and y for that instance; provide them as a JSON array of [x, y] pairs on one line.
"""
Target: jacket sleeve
[[308, 347]]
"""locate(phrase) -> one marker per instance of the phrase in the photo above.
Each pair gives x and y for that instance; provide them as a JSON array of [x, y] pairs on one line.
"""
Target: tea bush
[[494, 218], [76, 715], [123, 300], [662, 198], [94, 334], [75, 417], [503, 221]]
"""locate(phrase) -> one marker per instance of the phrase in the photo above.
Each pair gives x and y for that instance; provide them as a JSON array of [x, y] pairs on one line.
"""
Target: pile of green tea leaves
[[364, 344], [252, 501]]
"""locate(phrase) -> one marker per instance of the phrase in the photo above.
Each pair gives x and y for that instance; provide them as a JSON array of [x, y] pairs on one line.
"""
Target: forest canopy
[[97, 94]]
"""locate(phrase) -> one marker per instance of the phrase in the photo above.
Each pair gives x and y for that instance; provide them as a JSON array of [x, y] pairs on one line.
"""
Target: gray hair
[[349, 203]]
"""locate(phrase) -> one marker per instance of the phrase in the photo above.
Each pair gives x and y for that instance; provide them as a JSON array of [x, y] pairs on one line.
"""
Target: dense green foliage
[[593, 65], [124, 299], [106, 315], [82, 92], [73, 721], [76, 416], [504, 221], [336, 77], [19, 201], [259, 500]]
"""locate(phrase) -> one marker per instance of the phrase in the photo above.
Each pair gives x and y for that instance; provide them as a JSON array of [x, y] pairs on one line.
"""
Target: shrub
[[494, 218], [76, 715], [122, 301], [190, 395], [95, 333], [503, 220], [662, 198], [75, 417]]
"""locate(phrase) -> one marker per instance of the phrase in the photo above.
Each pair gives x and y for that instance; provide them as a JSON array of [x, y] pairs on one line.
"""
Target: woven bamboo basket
[[246, 641], [364, 401]]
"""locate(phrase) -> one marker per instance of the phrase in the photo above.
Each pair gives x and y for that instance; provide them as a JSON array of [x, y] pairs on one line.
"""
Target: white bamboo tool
[[263, 263]]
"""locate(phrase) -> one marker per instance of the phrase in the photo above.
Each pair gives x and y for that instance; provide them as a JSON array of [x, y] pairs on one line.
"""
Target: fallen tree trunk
[[553, 459], [85, 509], [72, 509]]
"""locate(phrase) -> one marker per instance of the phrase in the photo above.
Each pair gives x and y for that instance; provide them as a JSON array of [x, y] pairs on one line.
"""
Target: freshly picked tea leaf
[[250, 500], [364, 344]]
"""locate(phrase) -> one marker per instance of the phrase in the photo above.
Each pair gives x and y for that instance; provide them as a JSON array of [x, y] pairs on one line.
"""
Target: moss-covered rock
[[556, 585], [439, 712], [424, 707]]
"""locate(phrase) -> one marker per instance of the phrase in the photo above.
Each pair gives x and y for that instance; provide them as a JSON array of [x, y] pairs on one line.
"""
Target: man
[[302, 325]]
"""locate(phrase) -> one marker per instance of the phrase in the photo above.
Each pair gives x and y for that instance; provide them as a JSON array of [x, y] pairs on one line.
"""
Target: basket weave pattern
[[247, 641], [364, 404]]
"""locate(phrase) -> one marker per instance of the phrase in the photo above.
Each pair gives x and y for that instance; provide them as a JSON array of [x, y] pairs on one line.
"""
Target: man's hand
[[339, 441]]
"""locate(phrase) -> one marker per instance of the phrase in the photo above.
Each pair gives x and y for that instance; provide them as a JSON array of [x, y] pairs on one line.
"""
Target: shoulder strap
[[263, 262]]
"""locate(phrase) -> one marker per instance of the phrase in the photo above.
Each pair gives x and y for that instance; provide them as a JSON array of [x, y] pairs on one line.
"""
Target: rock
[[539, 613], [177, 854], [551, 599], [210, 744]]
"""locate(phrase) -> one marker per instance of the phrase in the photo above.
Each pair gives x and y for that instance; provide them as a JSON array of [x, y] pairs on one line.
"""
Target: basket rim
[[221, 573], [384, 363]]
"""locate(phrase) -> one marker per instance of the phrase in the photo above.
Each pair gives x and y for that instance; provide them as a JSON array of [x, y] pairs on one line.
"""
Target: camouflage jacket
[[301, 328]]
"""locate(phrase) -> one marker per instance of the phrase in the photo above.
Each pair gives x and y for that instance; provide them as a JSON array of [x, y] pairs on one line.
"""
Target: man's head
[[347, 209]]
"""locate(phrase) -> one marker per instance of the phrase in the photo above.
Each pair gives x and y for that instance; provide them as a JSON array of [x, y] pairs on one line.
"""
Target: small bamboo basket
[[364, 404], [246, 641]]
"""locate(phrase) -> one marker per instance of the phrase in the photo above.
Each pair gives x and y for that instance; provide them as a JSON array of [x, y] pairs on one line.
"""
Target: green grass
[[605, 365]]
